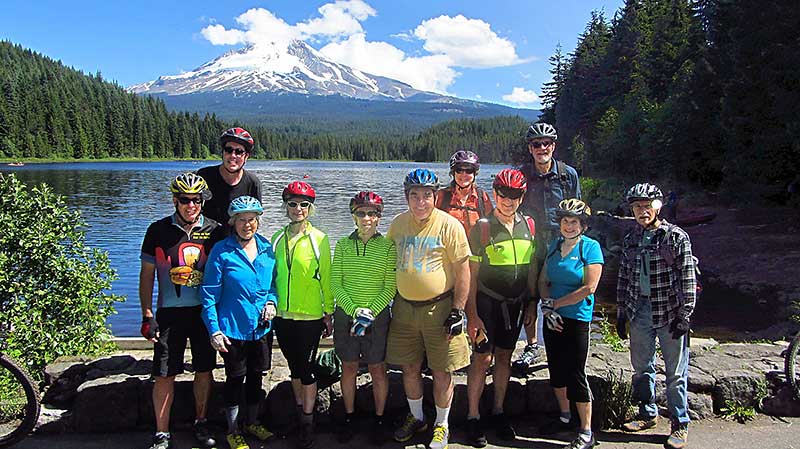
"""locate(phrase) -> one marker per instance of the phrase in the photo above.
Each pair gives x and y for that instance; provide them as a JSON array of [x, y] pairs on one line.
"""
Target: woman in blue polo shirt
[[567, 283], [238, 307]]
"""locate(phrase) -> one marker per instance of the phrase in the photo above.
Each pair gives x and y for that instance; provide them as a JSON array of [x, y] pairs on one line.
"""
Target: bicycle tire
[[790, 366], [22, 425]]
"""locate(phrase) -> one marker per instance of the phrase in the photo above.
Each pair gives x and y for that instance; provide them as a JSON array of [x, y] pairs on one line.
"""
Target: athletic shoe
[[527, 360], [581, 443], [203, 435], [410, 426], [475, 435], [380, 431], [258, 431], [556, 426], [440, 436], [503, 428], [236, 441], [346, 431], [639, 424], [161, 442], [306, 439], [678, 437]]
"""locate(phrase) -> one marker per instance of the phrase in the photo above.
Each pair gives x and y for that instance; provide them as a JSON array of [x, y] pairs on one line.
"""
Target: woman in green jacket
[[305, 301], [363, 283]]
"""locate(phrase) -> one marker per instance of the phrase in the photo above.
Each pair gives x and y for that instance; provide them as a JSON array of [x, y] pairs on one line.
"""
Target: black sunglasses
[[469, 170], [371, 214], [185, 200], [302, 204], [236, 151], [510, 194], [540, 144]]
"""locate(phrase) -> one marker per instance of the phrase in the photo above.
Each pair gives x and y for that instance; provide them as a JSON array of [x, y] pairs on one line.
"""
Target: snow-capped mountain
[[296, 68]]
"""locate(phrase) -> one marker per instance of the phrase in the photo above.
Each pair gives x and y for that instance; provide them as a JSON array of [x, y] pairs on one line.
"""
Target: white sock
[[441, 416], [415, 405]]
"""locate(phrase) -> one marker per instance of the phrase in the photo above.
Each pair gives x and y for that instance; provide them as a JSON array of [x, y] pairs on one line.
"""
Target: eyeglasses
[[510, 194], [186, 200], [371, 214], [468, 170], [539, 144], [235, 151], [250, 221], [302, 204]]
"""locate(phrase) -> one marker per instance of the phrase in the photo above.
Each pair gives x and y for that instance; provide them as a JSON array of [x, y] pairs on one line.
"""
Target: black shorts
[[491, 313], [248, 356], [370, 349], [176, 325]]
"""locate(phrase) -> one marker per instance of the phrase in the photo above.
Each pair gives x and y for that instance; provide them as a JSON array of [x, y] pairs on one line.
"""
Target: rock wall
[[113, 393]]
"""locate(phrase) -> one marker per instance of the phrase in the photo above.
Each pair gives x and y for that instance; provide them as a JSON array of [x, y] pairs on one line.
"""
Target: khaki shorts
[[419, 330]]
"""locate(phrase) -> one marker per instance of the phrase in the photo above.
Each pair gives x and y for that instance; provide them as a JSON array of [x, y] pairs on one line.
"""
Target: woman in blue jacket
[[238, 307]]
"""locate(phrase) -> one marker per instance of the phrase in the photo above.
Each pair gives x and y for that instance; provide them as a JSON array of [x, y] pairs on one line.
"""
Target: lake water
[[118, 200]]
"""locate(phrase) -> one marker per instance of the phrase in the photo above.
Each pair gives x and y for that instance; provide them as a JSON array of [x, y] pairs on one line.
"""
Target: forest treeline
[[48, 110], [702, 91]]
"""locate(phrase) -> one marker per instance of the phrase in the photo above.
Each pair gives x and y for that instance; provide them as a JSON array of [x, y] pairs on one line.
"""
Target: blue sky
[[490, 50]]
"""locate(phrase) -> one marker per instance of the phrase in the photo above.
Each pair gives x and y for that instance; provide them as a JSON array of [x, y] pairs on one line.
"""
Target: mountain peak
[[292, 67]]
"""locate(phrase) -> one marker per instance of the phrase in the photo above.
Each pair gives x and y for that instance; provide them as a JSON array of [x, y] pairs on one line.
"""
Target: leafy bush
[[736, 411], [53, 288], [609, 335], [613, 401]]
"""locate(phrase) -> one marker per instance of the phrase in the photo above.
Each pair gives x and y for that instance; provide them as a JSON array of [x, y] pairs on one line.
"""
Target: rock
[[62, 390], [515, 403], [782, 403], [540, 398], [699, 380], [324, 411], [114, 364], [281, 409], [701, 406], [53, 421], [737, 385], [57, 368], [107, 404]]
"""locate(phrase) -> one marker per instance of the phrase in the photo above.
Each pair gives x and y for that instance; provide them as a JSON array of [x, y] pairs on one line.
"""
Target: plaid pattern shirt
[[673, 289]]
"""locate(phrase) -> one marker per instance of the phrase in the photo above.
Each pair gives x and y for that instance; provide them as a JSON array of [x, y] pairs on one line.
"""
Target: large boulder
[[107, 404], [737, 386]]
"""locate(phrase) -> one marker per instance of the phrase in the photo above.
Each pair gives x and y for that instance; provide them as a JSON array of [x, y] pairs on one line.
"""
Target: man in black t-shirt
[[230, 180]]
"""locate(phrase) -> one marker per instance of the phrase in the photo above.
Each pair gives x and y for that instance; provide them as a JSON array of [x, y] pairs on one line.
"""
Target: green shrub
[[53, 288], [613, 401], [609, 335], [735, 410]]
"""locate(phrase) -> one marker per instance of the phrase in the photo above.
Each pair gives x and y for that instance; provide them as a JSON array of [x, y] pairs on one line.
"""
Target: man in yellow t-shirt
[[428, 312]]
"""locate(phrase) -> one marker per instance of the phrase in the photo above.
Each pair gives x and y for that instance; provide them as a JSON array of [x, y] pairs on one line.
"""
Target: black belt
[[427, 302], [504, 302]]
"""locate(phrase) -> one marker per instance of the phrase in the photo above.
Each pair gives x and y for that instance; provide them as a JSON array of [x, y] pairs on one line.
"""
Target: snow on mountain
[[296, 68]]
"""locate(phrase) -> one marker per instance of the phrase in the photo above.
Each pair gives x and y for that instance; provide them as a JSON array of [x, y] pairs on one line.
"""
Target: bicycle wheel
[[791, 367], [19, 402]]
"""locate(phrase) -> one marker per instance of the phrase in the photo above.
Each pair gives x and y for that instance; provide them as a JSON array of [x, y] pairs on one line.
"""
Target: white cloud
[[521, 96], [468, 42], [432, 73], [451, 42]]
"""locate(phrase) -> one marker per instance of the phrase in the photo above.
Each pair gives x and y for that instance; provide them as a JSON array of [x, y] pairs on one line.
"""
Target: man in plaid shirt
[[657, 292]]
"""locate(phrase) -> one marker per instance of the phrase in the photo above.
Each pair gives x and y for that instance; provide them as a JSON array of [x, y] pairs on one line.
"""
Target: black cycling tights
[[299, 341], [235, 386]]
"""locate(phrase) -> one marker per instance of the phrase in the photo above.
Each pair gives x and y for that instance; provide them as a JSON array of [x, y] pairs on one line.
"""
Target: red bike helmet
[[362, 199], [238, 135], [511, 179], [299, 188]]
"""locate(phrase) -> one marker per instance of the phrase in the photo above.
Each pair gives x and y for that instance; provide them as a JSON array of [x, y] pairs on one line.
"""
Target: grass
[[735, 410], [609, 333], [613, 401], [12, 397]]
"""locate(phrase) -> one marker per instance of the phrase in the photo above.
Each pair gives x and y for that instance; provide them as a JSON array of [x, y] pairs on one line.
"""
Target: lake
[[118, 200]]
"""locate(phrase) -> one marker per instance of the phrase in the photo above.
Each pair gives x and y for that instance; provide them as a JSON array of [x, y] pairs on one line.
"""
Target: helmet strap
[[182, 221], [242, 240]]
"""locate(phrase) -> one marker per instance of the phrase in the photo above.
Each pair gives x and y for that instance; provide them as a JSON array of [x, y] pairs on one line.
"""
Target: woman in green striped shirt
[[363, 284]]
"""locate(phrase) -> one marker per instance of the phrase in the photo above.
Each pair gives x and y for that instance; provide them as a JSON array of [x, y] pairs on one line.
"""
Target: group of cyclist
[[451, 284]]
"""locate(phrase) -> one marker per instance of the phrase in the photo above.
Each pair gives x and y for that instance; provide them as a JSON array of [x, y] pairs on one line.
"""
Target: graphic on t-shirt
[[416, 254]]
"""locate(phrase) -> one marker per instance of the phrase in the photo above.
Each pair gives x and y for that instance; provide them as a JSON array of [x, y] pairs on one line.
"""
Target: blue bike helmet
[[421, 177], [245, 203]]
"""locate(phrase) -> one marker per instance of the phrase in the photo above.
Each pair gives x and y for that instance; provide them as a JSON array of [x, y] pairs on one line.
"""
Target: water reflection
[[118, 200]]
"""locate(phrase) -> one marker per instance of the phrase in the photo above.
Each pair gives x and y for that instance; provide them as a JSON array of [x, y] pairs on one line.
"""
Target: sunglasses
[[469, 170], [510, 194], [540, 144], [235, 151], [185, 200], [371, 214], [302, 204]]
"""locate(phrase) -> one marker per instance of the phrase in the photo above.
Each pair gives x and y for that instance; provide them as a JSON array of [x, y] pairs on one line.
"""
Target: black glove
[[149, 327], [622, 321], [679, 327], [455, 322]]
